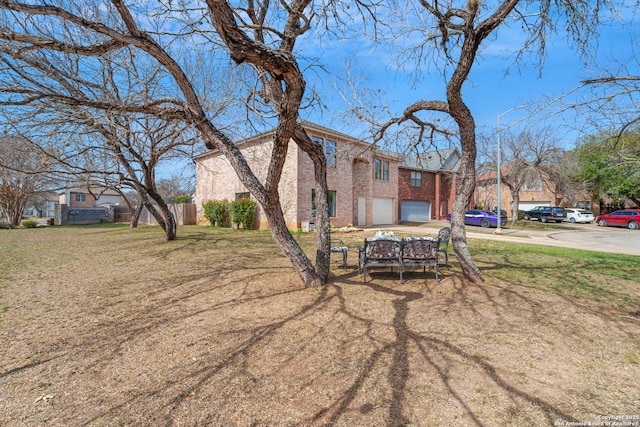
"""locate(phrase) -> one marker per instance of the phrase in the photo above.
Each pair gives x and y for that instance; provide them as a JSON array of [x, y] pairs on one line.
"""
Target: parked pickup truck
[[545, 214]]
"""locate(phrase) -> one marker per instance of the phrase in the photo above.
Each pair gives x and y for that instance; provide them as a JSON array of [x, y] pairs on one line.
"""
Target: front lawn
[[103, 325]]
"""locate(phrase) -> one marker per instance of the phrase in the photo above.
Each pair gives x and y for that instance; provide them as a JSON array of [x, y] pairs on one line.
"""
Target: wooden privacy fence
[[121, 214], [184, 213]]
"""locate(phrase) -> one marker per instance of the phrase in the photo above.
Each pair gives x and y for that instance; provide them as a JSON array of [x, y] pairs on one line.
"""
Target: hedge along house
[[427, 185], [362, 180]]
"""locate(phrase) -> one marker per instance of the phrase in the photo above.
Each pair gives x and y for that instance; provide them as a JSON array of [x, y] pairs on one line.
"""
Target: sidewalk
[[535, 237]]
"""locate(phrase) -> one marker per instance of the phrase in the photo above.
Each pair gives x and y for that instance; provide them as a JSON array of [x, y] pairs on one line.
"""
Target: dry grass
[[108, 326]]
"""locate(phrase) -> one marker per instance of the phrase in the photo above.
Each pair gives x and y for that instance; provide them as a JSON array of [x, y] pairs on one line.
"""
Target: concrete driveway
[[576, 236]]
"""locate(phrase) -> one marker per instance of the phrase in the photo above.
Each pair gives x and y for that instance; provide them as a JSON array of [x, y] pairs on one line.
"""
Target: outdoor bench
[[398, 253]]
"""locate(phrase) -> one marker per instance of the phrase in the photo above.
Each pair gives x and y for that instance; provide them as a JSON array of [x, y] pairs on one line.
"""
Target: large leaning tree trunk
[[283, 87], [449, 35], [472, 37], [316, 152]]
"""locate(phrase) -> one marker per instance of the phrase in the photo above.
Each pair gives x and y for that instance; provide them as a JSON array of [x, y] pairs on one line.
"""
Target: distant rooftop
[[440, 160]]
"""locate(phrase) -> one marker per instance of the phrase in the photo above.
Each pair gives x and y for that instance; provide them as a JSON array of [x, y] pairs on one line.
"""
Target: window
[[416, 179], [245, 195], [81, 198], [329, 150], [331, 200], [381, 169], [533, 185]]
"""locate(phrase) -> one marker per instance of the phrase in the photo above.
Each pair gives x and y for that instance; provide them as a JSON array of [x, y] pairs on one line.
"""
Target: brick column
[[438, 214]]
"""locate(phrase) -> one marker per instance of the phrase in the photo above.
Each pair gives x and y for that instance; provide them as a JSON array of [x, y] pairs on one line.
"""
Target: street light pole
[[499, 172]]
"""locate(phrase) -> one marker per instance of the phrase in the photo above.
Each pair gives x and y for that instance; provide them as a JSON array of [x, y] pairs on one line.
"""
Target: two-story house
[[367, 186], [42, 204], [427, 185], [537, 190], [88, 197], [362, 180]]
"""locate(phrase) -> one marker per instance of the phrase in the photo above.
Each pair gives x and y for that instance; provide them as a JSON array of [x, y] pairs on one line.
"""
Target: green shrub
[[243, 212], [217, 212], [29, 223], [182, 198]]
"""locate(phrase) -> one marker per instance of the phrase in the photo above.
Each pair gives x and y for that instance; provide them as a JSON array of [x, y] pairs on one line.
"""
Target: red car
[[629, 218]]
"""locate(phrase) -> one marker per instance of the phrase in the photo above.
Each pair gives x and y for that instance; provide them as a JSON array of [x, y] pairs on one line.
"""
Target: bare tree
[[262, 35], [174, 186], [612, 99], [105, 147], [451, 34], [23, 173], [529, 157]]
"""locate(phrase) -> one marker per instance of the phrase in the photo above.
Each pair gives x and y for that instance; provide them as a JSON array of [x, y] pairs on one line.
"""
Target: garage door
[[382, 211], [415, 210]]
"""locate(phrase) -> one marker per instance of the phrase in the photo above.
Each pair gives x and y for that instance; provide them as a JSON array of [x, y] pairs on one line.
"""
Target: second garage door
[[382, 211], [415, 210]]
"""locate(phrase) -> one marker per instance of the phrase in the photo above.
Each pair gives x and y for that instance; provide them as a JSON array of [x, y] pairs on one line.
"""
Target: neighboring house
[[427, 185], [362, 180], [42, 205], [535, 192], [88, 198]]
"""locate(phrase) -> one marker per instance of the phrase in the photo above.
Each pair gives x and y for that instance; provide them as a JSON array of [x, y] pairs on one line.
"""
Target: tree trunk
[[14, 210], [466, 124], [323, 237], [515, 196], [165, 217], [290, 247], [462, 201], [270, 205], [171, 229], [135, 215], [135, 210]]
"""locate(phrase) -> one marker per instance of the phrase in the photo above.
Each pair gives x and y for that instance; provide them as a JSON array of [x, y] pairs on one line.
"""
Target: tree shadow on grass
[[207, 293], [399, 371]]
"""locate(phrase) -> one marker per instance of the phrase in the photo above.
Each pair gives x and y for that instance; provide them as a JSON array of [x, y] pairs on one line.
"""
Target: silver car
[[579, 215]]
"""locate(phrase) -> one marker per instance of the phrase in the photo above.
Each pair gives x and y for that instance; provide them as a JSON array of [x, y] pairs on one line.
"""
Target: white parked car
[[579, 215]]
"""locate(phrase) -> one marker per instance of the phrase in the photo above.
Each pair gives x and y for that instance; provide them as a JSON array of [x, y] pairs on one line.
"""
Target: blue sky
[[489, 92]]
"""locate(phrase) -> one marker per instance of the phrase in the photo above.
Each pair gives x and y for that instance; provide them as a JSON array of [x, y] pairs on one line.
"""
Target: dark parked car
[[545, 214], [629, 218], [503, 213]]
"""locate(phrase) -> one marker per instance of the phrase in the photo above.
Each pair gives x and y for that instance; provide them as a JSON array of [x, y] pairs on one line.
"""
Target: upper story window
[[329, 150], [533, 185], [381, 169], [416, 179], [81, 198]]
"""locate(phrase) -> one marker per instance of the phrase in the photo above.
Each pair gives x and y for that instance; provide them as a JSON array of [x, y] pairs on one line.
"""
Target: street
[[577, 236]]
